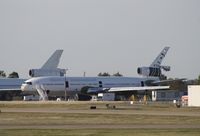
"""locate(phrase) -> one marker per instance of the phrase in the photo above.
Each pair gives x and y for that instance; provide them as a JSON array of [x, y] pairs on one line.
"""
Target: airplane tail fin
[[155, 69], [53, 61], [157, 62]]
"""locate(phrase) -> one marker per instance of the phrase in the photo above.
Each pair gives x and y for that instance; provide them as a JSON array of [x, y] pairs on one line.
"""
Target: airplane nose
[[23, 87]]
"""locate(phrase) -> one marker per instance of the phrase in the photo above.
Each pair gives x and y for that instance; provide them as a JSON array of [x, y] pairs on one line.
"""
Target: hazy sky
[[100, 35]]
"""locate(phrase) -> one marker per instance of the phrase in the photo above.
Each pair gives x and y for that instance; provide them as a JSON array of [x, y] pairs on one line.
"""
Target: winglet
[[157, 62], [53, 61]]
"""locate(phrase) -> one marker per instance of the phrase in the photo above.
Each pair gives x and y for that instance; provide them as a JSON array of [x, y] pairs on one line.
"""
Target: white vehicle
[[62, 85], [31, 98], [106, 96]]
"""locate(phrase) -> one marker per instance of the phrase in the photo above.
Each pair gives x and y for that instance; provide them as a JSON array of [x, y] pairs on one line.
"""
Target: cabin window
[[100, 84]]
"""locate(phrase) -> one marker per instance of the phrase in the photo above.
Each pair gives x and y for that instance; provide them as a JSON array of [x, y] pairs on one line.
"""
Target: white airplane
[[61, 85], [48, 69]]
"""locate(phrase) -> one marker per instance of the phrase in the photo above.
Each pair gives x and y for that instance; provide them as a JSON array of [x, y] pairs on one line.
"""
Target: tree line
[[107, 74], [11, 75]]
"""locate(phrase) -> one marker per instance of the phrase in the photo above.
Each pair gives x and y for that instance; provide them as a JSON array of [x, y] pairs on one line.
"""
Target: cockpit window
[[28, 83]]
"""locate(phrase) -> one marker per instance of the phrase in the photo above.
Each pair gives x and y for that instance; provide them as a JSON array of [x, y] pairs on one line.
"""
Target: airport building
[[168, 95], [193, 95]]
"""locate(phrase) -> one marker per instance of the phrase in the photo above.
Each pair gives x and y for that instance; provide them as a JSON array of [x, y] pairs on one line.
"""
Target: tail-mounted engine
[[149, 71], [155, 69], [152, 71], [47, 72]]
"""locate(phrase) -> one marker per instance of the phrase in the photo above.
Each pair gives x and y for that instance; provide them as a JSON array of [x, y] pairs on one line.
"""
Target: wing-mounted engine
[[92, 90], [149, 71], [47, 72], [96, 90]]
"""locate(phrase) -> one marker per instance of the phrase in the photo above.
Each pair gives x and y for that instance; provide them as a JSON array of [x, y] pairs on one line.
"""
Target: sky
[[100, 35]]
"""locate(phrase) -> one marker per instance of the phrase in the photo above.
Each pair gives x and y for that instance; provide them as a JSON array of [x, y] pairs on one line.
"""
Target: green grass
[[100, 132], [90, 118], [123, 115], [163, 106]]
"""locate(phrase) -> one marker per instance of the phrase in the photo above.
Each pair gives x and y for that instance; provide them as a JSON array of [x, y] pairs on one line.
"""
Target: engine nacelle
[[95, 90], [166, 68], [47, 72], [149, 71]]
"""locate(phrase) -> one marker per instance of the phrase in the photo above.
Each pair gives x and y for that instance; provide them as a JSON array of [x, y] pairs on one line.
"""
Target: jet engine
[[47, 72], [149, 71], [166, 68]]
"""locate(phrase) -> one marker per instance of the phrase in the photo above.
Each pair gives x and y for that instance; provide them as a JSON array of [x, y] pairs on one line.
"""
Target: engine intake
[[149, 71]]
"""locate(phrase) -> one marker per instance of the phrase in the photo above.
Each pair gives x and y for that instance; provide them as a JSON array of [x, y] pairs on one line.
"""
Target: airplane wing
[[11, 89], [124, 89], [172, 81]]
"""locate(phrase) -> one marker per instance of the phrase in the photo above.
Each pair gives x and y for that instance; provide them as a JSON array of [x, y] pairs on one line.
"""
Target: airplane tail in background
[[155, 69], [157, 62], [53, 61]]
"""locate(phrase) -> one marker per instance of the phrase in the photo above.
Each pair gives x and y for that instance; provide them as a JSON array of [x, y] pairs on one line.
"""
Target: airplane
[[49, 85], [12, 86]]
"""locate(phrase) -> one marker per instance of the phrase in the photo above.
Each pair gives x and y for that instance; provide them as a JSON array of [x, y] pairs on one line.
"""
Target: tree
[[13, 75], [2, 73], [117, 74], [198, 80], [104, 74], [100, 74]]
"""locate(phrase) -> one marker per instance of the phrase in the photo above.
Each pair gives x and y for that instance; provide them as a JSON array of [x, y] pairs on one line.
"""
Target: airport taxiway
[[101, 111]]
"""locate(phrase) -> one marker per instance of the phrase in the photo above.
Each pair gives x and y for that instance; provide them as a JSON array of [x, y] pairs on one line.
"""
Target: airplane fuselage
[[75, 84]]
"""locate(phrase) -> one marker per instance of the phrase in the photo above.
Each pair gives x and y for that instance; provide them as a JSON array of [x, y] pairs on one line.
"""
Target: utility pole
[[65, 86], [84, 74]]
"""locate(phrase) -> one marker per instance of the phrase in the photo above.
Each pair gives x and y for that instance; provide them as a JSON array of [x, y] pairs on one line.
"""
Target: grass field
[[89, 118], [56, 118], [100, 132]]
